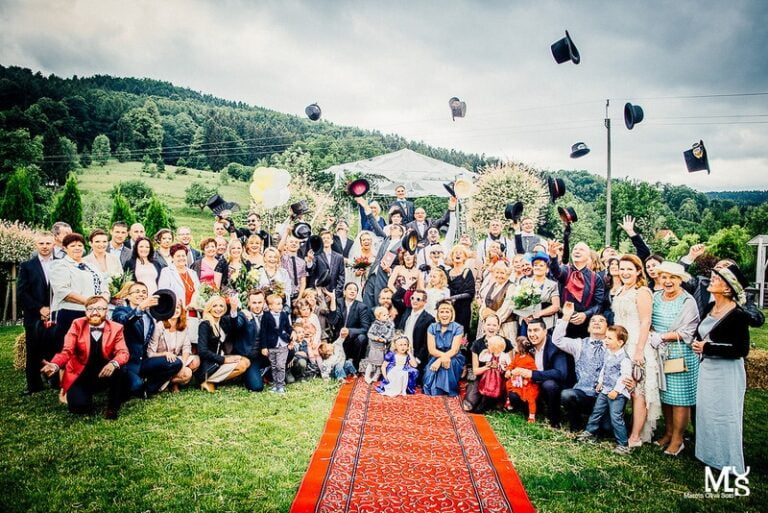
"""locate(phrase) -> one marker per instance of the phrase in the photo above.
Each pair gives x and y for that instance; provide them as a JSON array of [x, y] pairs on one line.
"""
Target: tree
[[85, 158], [68, 206], [160, 165], [146, 164], [19, 149], [757, 220], [732, 243], [157, 217], [18, 203], [197, 194], [121, 210], [123, 154], [101, 149]]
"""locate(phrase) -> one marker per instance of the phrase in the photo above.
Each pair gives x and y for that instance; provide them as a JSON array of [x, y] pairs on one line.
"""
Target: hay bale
[[20, 352], [757, 369]]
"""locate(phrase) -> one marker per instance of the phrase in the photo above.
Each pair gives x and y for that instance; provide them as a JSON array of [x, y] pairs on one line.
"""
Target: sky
[[392, 66]]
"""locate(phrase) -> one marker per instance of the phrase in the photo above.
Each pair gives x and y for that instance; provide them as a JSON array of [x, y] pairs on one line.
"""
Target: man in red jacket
[[93, 355]]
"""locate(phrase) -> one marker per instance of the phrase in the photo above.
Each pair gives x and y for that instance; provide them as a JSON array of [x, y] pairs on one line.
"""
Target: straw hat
[[674, 269]]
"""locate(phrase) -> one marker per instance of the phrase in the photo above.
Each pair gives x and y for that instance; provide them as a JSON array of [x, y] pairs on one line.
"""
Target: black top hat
[[166, 305], [324, 279], [302, 231], [633, 114], [579, 150], [696, 158], [556, 187], [564, 50], [265, 237], [514, 211], [299, 208], [217, 204], [411, 241], [315, 243], [449, 188], [358, 188], [567, 214], [313, 111], [458, 108]]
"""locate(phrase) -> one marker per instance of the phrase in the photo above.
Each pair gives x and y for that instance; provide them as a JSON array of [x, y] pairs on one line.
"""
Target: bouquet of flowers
[[359, 264], [277, 288], [119, 285], [203, 294], [243, 282], [526, 297]]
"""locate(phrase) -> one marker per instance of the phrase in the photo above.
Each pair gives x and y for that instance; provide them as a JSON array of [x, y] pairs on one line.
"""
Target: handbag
[[491, 381], [675, 365]]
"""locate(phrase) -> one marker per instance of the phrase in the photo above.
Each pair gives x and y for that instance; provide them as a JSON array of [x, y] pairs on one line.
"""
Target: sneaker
[[279, 390], [585, 436], [622, 449]]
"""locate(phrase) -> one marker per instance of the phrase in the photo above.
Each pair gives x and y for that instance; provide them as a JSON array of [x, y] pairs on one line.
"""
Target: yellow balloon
[[264, 177], [257, 192]]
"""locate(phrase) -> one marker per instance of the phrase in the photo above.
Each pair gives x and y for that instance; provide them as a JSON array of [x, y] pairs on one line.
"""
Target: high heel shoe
[[677, 452], [661, 443], [632, 444], [208, 387]]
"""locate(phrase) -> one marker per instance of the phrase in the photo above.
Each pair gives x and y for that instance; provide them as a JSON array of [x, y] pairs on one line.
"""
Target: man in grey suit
[[403, 204], [117, 243]]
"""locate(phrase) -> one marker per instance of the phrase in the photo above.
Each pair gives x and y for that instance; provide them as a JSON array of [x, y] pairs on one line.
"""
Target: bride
[[362, 248]]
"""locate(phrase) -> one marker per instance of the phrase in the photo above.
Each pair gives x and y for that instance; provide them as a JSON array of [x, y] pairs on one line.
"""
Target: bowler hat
[[299, 208], [410, 241], [357, 188], [302, 231], [514, 211], [556, 187], [633, 114], [313, 111], [564, 50], [579, 150], [166, 305], [324, 279], [567, 214], [217, 204], [696, 158], [315, 243]]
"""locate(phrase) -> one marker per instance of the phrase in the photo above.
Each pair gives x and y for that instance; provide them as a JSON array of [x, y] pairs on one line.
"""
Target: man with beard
[[93, 357]]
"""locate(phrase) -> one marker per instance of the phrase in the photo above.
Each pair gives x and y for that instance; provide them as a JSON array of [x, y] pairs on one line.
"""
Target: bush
[[121, 211], [182, 171], [135, 191], [182, 162], [68, 206], [197, 195], [239, 172], [96, 211], [17, 242], [18, 203], [123, 154]]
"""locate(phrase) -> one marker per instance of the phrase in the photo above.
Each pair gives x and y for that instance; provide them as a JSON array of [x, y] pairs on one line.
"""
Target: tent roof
[[421, 175]]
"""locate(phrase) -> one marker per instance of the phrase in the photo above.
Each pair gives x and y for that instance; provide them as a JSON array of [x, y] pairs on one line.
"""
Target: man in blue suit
[[552, 375], [328, 260], [146, 375], [247, 341]]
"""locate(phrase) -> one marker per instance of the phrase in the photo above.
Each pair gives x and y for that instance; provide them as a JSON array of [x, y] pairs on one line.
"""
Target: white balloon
[[281, 178], [274, 197]]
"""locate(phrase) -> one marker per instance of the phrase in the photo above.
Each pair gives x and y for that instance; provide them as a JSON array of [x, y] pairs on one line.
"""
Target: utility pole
[[608, 179]]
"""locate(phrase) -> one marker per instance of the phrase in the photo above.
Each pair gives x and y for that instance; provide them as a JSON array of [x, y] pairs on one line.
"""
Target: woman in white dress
[[365, 247], [437, 289], [106, 264], [632, 309]]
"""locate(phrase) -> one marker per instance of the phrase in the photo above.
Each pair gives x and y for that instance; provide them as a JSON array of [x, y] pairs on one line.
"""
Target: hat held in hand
[[567, 214], [166, 305]]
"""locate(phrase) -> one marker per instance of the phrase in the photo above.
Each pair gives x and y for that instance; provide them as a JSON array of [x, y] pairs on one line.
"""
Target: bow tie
[[97, 330], [596, 343]]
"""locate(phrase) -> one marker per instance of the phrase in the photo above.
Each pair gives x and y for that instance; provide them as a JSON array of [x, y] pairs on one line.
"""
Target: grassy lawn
[[238, 451]]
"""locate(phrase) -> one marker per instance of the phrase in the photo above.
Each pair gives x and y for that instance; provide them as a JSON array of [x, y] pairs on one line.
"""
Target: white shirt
[[410, 324], [46, 264], [539, 357]]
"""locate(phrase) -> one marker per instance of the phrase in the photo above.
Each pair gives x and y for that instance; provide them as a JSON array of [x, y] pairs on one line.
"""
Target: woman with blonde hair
[[461, 282], [495, 298], [235, 261], [446, 362], [216, 329], [171, 339], [274, 277], [254, 247], [437, 289]]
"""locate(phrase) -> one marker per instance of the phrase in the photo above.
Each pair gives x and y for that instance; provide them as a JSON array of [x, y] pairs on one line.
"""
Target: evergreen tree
[[146, 164], [85, 158], [160, 166], [68, 206], [157, 217], [123, 154], [101, 149], [122, 211], [18, 203]]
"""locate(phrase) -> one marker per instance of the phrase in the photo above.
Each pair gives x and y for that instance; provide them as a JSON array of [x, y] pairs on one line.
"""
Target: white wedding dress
[[355, 252], [625, 310]]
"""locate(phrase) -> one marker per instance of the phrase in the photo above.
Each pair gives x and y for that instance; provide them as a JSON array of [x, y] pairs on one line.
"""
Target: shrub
[[17, 242], [197, 194]]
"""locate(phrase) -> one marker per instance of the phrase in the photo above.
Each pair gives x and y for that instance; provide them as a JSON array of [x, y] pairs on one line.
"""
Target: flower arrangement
[[526, 296], [17, 242], [119, 284], [243, 282], [360, 264], [203, 294]]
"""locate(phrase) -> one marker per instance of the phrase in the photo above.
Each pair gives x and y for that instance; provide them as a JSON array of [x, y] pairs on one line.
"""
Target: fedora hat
[[564, 50], [313, 111], [300, 208], [166, 305], [217, 204], [411, 241], [579, 150], [359, 187], [633, 114], [567, 214], [696, 158], [302, 231], [324, 279], [458, 108], [674, 269], [556, 187], [514, 211], [315, 243]]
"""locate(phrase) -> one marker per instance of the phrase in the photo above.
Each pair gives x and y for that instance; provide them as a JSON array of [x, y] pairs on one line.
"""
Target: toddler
[[522, 387], [399, 370], [490, 386], [613, 394], [379, 337], [276, 340], [333, 361]]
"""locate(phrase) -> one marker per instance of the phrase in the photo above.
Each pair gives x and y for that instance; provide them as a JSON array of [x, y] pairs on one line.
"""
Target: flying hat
[[449, 187], [358, 188], [696, 158], [313, 112], [556, 187], [299, 208], [302, 231], [633, 114], [217, 204], [567, 214], [458, 108], [324, 279], [315, 243], [579, 150], [410, 241], [564, 50], [166, 305], [514, 211]]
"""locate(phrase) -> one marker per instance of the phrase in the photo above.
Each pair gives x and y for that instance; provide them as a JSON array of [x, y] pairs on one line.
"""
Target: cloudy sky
[[392, 66]]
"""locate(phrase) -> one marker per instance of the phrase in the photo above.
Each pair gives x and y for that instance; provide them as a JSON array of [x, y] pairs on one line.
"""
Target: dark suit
[[270, 332], [124, 255], [154, 370], [335, 267], [556, 375], [246, 344], [420, 349], [337, 245], [428, 223], [406, 206], [357, 320], [34, 293]]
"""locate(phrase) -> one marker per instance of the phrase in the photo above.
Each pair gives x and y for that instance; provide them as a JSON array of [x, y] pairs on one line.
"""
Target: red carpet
[[414, 454]]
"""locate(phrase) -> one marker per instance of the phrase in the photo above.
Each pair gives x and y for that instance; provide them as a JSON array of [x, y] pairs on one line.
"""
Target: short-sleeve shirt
[[444, 339], [286, 263]]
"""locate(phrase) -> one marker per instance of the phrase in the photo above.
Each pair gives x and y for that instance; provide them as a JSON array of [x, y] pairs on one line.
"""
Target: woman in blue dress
[[441, 377]]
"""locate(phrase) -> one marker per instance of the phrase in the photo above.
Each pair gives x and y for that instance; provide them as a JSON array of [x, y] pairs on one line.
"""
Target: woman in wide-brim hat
[[722, 342], [673, 320]]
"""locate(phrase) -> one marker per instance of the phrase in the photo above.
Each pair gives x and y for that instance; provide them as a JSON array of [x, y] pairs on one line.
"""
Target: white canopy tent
[[761, 265], [421, 175]]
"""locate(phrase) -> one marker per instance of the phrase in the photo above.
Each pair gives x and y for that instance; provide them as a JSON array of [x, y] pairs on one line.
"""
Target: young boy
[[275, 340], [334, 363], [380, 335], [613, 394]]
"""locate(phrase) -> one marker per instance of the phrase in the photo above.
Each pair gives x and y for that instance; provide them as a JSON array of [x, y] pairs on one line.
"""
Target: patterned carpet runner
[[414, 454]]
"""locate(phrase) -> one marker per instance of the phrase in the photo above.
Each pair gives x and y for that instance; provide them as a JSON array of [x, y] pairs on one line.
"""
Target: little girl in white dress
[[399, 369]]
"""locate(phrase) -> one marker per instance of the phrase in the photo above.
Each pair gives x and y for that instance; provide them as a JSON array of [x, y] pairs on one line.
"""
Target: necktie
[[94, 276], [295, 272]]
